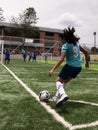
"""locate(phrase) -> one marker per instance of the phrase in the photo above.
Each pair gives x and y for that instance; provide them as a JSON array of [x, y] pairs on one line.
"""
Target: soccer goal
[[18, 45], [1, 50], [46, 56], [43, 48]]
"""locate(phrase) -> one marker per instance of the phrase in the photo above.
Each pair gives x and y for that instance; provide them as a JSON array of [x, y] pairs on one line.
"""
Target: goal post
[[1, 50], [46, 54]]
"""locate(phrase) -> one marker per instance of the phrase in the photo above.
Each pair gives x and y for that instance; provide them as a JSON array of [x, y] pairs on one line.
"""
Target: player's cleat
[[63, 99]]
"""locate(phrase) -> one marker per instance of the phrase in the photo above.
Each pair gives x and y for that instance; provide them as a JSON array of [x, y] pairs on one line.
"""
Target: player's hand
[[51, 72]]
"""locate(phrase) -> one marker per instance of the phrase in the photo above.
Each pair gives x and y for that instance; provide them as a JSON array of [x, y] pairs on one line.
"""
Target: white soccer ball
[[44, 96]]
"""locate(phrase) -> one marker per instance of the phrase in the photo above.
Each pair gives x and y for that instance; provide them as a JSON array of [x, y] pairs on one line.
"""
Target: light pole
[[94, 39]]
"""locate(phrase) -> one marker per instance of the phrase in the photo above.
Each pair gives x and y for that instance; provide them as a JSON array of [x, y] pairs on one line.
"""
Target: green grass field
[[21, 111]]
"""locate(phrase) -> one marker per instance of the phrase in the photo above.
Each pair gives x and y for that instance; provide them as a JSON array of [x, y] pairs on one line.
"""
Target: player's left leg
[[60, 89]]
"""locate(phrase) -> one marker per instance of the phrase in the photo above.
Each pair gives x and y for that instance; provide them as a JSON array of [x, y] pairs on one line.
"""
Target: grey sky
[[82, 14]]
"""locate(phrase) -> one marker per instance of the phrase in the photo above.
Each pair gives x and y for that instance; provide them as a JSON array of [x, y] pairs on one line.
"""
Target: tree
[[26, 21], [1, 15], [94, 50], [28, 17]]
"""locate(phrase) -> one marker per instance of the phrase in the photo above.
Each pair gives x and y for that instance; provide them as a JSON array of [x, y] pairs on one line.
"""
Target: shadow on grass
[[67, 106]]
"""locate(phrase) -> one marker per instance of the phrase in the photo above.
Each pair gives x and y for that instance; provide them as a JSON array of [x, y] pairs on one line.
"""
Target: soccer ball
[[44, 96]]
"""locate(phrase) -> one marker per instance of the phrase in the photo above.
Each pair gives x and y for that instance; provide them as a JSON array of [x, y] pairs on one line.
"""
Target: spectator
[[34, 57], [46, 58], [7, 56], [24, 56], [30, 56]]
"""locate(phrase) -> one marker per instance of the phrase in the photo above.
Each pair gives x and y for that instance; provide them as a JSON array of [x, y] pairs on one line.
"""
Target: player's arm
[[86, 56], [60, 60]]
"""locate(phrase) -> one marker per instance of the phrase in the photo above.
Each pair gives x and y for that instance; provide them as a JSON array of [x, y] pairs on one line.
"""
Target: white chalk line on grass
[[48, 108], [52, 111], [83, 102], [88, 124], [84, 125]]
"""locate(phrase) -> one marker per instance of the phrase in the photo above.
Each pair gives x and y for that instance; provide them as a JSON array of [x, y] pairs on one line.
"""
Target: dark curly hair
[[69, 36]]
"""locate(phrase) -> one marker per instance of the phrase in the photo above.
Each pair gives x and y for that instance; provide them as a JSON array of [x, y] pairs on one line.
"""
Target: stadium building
[[48, 42]]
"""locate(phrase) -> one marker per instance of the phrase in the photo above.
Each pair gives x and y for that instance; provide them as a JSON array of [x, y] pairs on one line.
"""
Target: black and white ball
[[44, 96]]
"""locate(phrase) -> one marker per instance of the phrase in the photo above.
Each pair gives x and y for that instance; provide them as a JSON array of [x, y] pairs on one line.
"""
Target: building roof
[[4, 24], [45, 29]]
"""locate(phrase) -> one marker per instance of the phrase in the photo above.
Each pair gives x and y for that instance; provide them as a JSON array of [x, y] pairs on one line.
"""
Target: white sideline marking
[[52, 111], [48, 108], [83, 102], [84, 125], [77, 101]]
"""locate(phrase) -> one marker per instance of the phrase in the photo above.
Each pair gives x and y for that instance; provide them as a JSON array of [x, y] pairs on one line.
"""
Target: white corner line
[[84, 102], [92, 124], [56, 116]]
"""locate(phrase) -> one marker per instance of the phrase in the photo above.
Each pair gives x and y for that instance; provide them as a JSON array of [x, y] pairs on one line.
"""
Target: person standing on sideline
[[24, 56], [71, 50], [46, 58], [30, 56], [7, 56], [34, 57]]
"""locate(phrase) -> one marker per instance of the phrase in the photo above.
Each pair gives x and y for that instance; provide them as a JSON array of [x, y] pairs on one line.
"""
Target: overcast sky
[[82, 14]]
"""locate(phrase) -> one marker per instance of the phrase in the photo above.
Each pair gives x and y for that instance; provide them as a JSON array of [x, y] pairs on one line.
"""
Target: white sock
[[57, 92], [64, 85], [60, 89]]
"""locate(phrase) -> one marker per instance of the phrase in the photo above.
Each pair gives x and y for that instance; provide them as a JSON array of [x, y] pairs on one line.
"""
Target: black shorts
[[69, 71]]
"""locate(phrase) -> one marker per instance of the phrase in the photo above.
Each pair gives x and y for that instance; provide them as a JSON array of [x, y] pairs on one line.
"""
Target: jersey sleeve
[[64, 48]]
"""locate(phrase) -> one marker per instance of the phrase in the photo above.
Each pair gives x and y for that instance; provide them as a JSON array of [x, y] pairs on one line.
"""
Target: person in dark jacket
[[7, 56]]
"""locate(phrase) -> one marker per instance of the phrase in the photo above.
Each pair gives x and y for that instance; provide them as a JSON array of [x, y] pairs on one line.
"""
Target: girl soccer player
[[71, 50]]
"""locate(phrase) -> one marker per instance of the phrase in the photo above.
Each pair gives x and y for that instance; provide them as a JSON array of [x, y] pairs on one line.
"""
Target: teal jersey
[[73, 57]]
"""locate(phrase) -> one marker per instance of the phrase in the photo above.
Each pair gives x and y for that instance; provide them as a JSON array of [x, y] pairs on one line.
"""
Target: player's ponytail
[[69, 36]]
